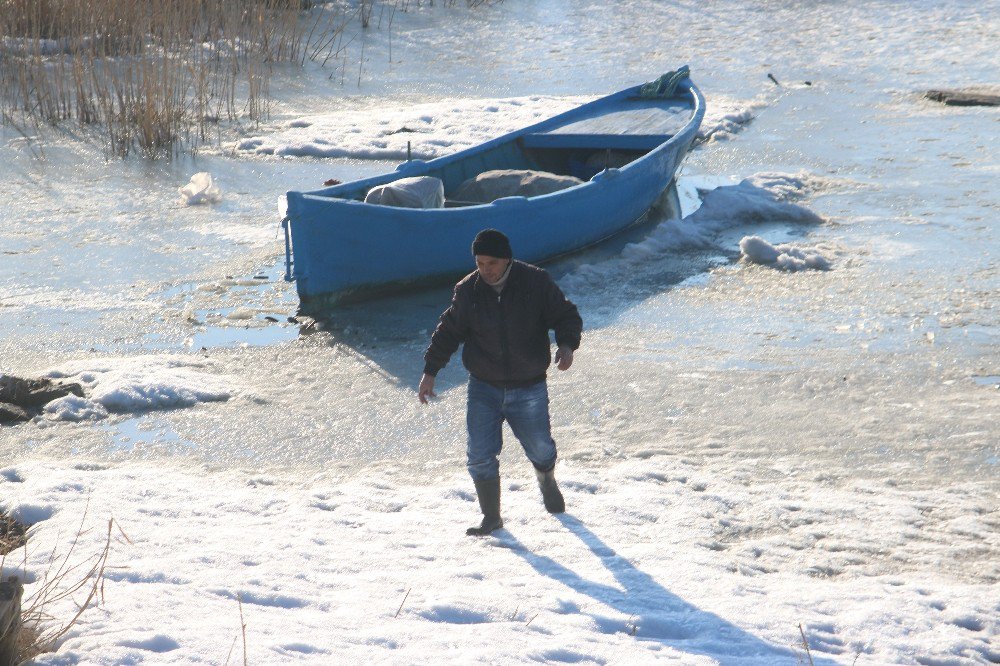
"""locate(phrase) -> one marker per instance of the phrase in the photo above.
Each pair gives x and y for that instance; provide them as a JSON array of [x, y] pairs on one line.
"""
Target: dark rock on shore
[[963, 97], [12, 413], [22, 398]]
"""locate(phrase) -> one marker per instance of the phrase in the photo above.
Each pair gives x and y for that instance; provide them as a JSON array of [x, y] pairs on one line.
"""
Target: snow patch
[[784, 256], [445, 127], [431, 130], [241, 314], [761, 198], [201, 190], [74, 408], [608, 580], [29, 513], [70, 300], [726, 117], [137, 384], [455, 614], [157, 643]]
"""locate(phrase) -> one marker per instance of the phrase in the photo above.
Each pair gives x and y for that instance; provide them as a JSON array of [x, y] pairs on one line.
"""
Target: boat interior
[[611, 135]]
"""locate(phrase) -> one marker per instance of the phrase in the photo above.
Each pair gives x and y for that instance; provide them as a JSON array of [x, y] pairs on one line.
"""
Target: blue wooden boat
[[340, 249]]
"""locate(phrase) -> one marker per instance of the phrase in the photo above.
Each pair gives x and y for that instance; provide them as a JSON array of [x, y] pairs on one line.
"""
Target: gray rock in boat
[[492, 185]]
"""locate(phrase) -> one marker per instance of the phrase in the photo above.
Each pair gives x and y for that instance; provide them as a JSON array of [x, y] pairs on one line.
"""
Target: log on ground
[[963, 97]]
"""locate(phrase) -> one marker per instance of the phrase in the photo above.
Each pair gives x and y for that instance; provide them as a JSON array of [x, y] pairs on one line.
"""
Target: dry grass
[[154, 77], [13, 535], [73, 577], [65, 580]]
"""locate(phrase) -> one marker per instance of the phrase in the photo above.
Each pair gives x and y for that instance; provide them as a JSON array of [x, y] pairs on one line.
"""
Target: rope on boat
[[288, 248], [666, 85]]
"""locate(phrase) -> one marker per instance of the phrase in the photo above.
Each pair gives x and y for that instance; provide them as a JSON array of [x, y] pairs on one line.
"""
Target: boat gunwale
[[328, 197]]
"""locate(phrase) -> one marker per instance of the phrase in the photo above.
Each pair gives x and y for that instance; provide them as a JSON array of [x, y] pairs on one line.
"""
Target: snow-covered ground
[[784, 411], [658, 559], [446, 126]]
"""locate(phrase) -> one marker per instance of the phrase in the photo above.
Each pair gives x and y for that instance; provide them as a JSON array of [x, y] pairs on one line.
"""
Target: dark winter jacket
[[506, 335]]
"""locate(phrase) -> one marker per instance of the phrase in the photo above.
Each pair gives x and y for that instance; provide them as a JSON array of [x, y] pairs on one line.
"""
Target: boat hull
[[342, 250]]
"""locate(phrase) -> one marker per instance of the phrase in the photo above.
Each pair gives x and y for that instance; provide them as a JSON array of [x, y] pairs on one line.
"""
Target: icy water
[[880, 367]]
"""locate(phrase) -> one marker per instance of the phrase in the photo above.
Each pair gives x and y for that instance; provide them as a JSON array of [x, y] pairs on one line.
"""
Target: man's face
[[491, 268]]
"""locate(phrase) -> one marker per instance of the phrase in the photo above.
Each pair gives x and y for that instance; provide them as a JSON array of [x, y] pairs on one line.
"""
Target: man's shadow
[[653, 612]]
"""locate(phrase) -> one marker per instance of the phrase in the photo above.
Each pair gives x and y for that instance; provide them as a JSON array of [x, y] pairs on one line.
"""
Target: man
[[503, 312]]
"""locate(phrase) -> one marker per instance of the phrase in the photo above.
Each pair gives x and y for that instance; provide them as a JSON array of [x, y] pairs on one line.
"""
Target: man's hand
[[564, 358], [426, 389]]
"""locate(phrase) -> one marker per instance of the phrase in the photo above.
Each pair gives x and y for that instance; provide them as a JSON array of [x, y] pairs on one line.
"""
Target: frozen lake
[[100, 260], [882, 370]]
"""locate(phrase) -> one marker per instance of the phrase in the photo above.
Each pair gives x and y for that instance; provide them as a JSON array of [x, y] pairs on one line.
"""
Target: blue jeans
[[526, 410]]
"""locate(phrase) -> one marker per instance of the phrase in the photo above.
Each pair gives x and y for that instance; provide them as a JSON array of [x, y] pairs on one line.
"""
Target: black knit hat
[[492, 243]]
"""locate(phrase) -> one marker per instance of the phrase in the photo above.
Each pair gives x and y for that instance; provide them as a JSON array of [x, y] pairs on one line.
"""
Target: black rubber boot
[[488, 491], [553, 499]]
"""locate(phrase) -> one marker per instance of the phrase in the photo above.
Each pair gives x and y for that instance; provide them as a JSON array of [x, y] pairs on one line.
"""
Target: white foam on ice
[[75, 408]]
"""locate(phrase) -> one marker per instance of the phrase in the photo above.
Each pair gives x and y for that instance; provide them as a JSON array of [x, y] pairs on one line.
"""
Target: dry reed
[[66, 577], [13, 534], [154, 76]]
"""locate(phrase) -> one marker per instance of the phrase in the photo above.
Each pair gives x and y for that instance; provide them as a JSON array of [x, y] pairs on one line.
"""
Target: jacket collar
[[514, 271]]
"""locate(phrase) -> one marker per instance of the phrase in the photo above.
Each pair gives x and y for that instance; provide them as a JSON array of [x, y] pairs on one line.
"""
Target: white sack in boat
[[200, 190], [417, 192], [492, 185]]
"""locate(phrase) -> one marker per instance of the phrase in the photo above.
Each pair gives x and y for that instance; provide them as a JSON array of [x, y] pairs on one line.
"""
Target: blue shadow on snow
[[655, 613]]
